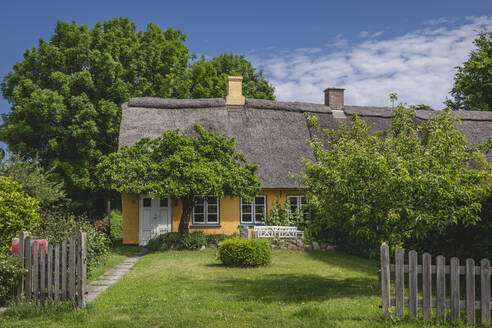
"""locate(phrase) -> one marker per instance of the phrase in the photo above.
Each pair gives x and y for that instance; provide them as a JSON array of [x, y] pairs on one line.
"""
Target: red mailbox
[[15, 246]]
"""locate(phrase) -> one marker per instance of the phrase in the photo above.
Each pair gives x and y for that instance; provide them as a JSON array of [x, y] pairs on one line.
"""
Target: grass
[[192, 289], [117, 254]]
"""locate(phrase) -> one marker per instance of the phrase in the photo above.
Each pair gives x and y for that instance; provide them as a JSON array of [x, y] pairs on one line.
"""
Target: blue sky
[[370, 48]]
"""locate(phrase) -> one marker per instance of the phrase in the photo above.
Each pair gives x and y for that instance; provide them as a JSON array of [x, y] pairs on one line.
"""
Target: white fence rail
[[281, 232]]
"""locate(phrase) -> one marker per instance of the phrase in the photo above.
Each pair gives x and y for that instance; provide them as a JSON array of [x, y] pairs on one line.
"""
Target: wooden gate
[[54, 274], [441, 302]]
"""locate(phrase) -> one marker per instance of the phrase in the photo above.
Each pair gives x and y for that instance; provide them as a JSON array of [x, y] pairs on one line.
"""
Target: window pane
[[246, 218], [199, 209], [260, 200], [259, 208], [212, 218], [199, 199], [259, 216], [147, 202], [246, 208], [199, 218], [163, 202], [303, 200], [212, 208]]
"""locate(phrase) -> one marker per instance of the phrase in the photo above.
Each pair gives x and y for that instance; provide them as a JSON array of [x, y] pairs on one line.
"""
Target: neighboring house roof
[[272, 134]]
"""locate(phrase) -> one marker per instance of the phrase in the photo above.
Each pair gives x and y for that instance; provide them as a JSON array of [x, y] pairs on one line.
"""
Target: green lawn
[[191, 289]]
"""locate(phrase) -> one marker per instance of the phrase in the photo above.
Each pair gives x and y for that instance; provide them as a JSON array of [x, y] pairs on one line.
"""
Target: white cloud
[[419, 66], [374, 35], [363, 34]]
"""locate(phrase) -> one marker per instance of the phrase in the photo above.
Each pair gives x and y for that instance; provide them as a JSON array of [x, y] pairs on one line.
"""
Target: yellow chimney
[[235, 91]]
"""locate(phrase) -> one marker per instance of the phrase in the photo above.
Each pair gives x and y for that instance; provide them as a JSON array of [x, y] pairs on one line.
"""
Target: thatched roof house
[[271, 134]]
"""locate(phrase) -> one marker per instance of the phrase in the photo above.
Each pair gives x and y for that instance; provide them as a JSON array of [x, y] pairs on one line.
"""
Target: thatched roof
[[272, 134]]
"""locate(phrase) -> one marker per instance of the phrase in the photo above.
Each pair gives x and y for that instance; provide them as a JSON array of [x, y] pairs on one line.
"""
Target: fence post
[[28, 259], [485, 290], [81, 268], [426, 286], [455, 289], [470, 291], [35, 271], [42, 273], [20, 289], [49, 283], [56, 291], [64, 268], [399, 282], [71, 269], [412, 283], [385, 279], [441, 288]]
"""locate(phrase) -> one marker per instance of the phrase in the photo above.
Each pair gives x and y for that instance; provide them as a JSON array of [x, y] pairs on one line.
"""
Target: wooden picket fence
[[427, 302], [56, 275]]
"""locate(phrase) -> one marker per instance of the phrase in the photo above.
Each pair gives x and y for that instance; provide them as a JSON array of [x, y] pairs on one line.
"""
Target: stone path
[[111, 276]]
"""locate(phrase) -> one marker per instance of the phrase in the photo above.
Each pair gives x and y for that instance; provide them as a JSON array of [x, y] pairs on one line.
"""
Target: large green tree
[[209, 77], [66, 94], [472, 88], [368, 188], [181, 166]]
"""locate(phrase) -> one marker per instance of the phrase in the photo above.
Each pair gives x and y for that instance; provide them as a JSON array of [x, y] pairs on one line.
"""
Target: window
[[206, 210], [163, 202], [147, 202], [298, 204], [254, 212]]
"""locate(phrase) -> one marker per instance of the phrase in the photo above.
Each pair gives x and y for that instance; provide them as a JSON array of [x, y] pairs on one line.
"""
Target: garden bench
[[282, 232]]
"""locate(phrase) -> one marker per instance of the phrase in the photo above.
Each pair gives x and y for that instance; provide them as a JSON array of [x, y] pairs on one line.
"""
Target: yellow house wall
[[229, 213], [129, 209]]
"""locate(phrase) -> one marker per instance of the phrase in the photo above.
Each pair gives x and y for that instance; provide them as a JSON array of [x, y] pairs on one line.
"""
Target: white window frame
[[205, 210], [253, 210], [299, 199]]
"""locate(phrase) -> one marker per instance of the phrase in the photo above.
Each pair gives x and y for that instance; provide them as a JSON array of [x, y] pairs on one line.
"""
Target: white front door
[[155, 218]]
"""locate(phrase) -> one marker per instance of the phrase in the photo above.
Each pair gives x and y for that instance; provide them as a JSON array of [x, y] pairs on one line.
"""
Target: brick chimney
[[334, 98], [235, 91]]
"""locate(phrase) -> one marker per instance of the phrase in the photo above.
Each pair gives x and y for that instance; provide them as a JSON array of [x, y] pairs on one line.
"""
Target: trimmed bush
[[10, 272], [245, 253], [18, 212]]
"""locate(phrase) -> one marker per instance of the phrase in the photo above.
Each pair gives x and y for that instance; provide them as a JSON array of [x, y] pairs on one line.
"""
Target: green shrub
[[244, 252], [154, 244], [194, 240], [217, 238], [18, 212], [58, 226], [171, 238], [116, 225], [10, 272]]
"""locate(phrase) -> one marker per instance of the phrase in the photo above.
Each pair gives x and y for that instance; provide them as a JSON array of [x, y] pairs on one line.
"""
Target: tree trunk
[[188, 203]]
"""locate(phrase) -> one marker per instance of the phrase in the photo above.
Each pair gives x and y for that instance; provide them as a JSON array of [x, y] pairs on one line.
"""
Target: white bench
[[281, 232]]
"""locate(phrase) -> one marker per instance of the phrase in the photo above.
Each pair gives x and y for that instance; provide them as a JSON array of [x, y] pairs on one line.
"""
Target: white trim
[[141, 240], [205, 211], [253, 210]]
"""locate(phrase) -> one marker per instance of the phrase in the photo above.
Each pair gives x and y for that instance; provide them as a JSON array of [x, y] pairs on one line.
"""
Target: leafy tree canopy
[[66, 93], [181, 166], [366, 188], [209, 77], [472, 88], [35, 180]]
